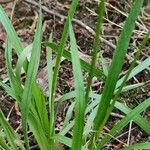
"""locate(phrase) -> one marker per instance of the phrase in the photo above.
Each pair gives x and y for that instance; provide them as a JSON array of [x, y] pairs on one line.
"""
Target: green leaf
[[143, 65], [65, 140], [37, 129], [31, 77], [3, 145], [51, 101], [96, 44], [86, 66], [12, 36], [79, 93], [15, 84], [22, 57], [69, 114], [145, 145], [115, 68], [8, 89], [120, 125], [40, 105], [12, 137]]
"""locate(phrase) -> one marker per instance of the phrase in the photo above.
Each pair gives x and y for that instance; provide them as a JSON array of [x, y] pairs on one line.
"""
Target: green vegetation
[[39, 115]]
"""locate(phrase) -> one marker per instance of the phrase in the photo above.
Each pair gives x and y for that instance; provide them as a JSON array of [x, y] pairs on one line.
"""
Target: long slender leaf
[[62, 43], [116, 66], [61, 48], [79, 89], [38, 131], [13, 138], [143, 43], [31, 77], [86, 66], [12, 36], [3, 145], [119, 126], [40, 105], [15, 85], [139, 120], [143, 65], [22, 57], [145, 145], [51, 101], [8, 89], [96, 44]]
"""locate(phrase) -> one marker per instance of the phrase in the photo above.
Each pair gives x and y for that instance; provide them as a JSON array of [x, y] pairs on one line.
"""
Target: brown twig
[[5, 1]]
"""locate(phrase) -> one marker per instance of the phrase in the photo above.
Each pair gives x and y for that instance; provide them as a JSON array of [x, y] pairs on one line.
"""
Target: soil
[[24, 20]]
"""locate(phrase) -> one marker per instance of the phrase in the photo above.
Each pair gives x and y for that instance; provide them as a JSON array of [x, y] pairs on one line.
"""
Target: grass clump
[[96, 108]]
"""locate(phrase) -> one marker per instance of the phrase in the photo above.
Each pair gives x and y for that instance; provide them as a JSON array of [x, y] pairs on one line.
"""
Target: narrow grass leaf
[[22, 57], [31, 77], [145, 145], [120, 125], [40, 105], [86, 66], [134, 86], [139, 120], [37, 129], [62, 44], [69, 114], [104, 63], [3, 145], [140, 48], [51, 100], [92, 108], [62, 139], [79, 89], [115, 68], [65, 140], [15, 85], [9, 90], [96, 44], [10, 133], [12, 36], [143, 65]]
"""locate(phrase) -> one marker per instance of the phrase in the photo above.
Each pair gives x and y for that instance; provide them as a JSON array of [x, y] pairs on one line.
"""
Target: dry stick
[[80, 23], [129, 134], [13, 9], [5, 1]]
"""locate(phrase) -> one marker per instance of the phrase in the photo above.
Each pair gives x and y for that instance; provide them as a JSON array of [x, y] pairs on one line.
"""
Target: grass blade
[[69, 114], [51, 101], [40, 105], [12, 36], [8, 89], [145, 145], [15, 85], [116, 66], [22, 57], [3, 145], [79, 89], [86, 66], [31, 77], [109, 110], [13, 138], [96, 44], [38, 131], [143, 65], [62, 45], [139, 120], [119, 126]]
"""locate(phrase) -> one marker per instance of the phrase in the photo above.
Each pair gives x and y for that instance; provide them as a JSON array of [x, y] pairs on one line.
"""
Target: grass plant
[[91, 110]]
